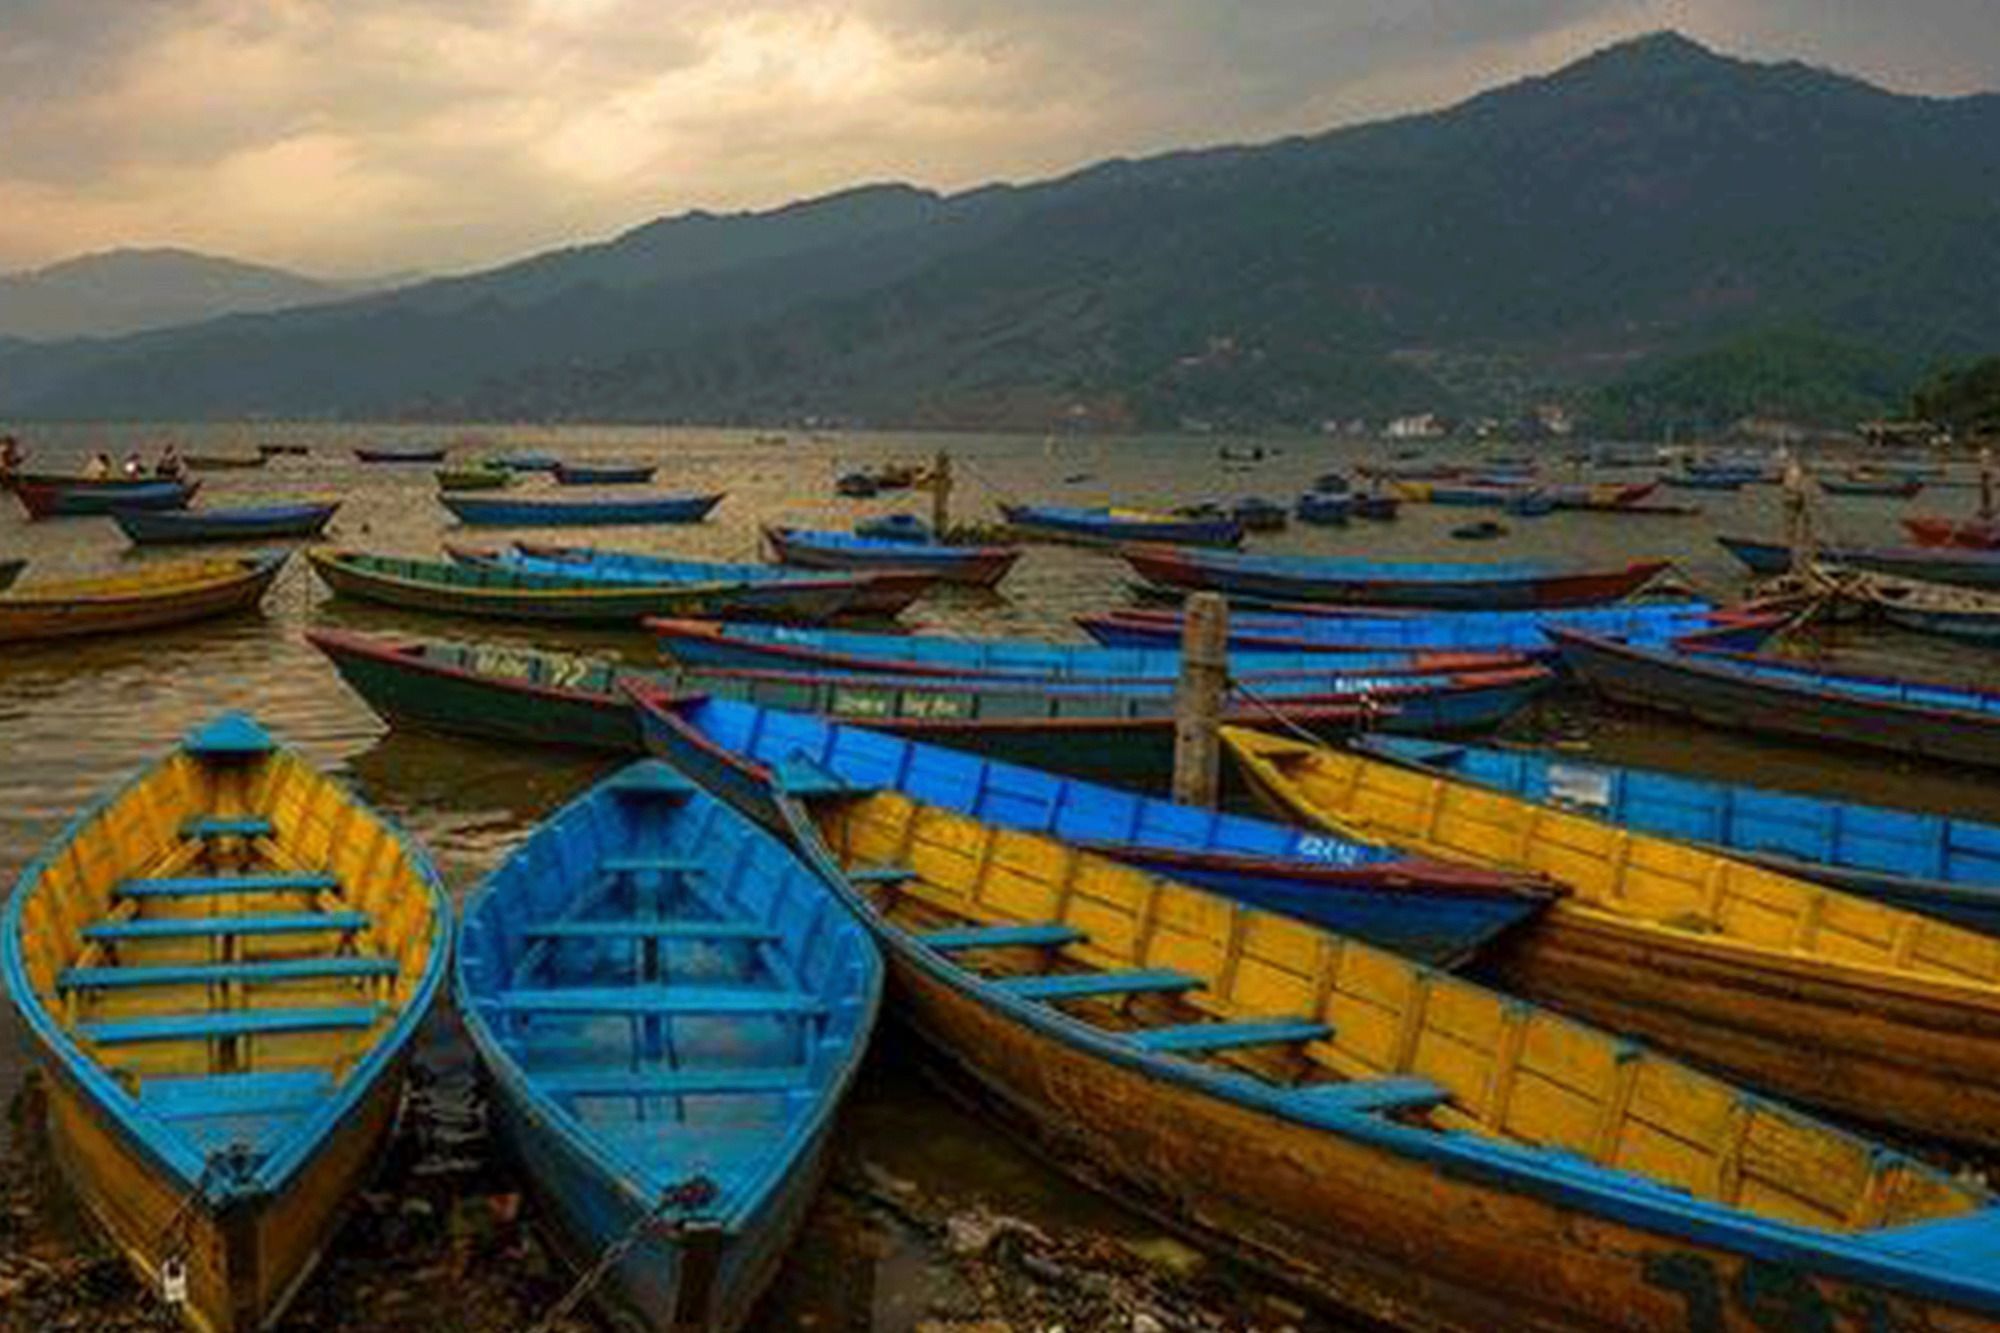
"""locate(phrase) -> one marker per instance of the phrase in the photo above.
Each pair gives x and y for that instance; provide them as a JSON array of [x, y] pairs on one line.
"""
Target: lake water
[[76, 717]]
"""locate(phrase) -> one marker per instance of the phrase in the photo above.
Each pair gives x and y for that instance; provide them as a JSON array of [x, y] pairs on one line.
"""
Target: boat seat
[[216, 826], [641, 865], [261, 1092], [881, 874], [167, 928], [648, 1001], [1197, 1038], [705, 931], [1330, 1101], [197, 886], [229, 1023], [1094, 985], [652, 780], [666, 1082], [1048, 935], [215, 974]]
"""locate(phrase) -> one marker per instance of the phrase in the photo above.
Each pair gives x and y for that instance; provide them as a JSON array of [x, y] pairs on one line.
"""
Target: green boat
[[448, 589], [477, 478]]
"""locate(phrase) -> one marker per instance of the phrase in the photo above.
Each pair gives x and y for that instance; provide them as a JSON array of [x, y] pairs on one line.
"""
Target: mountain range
[[1629, 232]]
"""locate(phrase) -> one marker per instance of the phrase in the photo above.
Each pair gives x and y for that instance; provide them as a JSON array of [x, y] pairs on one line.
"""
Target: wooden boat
[[1419, 907], [671, 1005], [481, 511], [477, 478], [1402, 1142], [72, 501], [150, 596], [273, 449], [226, 462], [887, 594], [1924, 608], [1899, 488], [261, 523], [1119, 733], [1377, 508], [906, 528], [1966, 568], [1110, 526], [73, 481], [387, 453], [1410, 470], [1859, 1007], [584, 474], [10, 570], [1908, 717], [526, 462], [1483, 585], [1324, 510], [1706, 481], [978, 566], [449, 589], [221, 966], [1353, 630], [1257, 514], [708, 643], [1934, 864], [1973, 534]]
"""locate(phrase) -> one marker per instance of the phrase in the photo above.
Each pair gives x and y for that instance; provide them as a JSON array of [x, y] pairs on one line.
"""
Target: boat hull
[[26, 618], [483, 512], [567, 475], [979, 567], [400, 455], [1194, 574], [222, 525], [1109, 531], [1964, 567], [79, 501]]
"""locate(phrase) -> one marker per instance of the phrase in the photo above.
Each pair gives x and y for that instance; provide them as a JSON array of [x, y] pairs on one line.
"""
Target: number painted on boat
[[1779, 1298], [1315, 848]]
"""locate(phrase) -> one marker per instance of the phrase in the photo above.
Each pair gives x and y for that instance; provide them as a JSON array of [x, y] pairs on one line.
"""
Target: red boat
[[1972, 534], [1438, 585]]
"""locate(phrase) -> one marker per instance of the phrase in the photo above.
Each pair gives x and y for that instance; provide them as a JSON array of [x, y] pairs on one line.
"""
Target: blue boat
[[672, 1006], [1499, 585], [1325, 510], [1415, 905], [487, 511], [979, 566], [1936, 864], [888, 592], [730, 644], [896, 528], [1930, 564], [65, 501], [259, 523], [586, 474], [526, 462], [397, 453], [1459, 631], [1110, 526]]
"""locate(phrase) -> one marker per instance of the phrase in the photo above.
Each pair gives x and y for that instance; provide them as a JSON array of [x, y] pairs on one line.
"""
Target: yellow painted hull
[[244, 1265], [1394, 1239], [171, 595], [1839, 1002]]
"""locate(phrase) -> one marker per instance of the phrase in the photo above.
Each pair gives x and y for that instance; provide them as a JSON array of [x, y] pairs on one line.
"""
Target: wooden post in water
[[1798, 518], [941, 495], [1198, 700]]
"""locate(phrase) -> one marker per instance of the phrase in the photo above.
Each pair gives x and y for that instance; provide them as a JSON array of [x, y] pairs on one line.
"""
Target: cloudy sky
[[363, 136]]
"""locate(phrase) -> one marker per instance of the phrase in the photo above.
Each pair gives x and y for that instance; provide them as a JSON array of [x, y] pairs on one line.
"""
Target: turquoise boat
[[222, 966], [671, 1005], [1937, 864], [484, 511]]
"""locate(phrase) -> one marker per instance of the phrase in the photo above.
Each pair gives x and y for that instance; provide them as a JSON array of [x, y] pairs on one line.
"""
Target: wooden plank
[[649, 1001], [229, 1023], [1201, 1038], [200, 886], [1095, 985], [208, 974], [1046, 935], [669, 1082], [167, 928]]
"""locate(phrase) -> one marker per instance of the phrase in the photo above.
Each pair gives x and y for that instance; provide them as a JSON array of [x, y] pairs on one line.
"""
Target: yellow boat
[[147, 597], [1401, 1141], [222, 965], [1838, 1001]]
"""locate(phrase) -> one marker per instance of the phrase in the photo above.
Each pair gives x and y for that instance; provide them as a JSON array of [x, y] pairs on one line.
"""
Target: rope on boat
[[172, 1242], [1365, 699], [694, 1192]]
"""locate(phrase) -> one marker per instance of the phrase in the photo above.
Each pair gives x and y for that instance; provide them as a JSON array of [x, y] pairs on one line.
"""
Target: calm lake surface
[[77, 717]]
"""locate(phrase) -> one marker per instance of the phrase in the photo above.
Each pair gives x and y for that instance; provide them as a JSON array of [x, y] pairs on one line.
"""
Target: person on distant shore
[[170, 467], [135, 466], [99, 468]]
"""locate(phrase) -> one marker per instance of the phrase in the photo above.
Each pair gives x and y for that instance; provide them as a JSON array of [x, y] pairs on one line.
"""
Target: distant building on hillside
[[1421, 426]]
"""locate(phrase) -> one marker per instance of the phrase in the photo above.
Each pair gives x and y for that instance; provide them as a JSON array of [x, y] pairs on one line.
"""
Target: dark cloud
[[356, 134]]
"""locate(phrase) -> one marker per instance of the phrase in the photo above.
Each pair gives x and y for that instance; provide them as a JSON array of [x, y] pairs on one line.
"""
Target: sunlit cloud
[[364, 135]]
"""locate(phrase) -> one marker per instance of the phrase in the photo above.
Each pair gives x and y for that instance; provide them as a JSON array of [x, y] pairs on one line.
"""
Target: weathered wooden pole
[[1799, 534], [1198, 700], [1986, 482], [941, 494]]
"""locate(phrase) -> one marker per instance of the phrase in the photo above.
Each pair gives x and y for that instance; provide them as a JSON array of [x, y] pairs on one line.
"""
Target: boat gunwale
[[251, 567]]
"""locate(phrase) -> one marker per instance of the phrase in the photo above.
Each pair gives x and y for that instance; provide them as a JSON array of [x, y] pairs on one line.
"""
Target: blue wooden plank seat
[[665, 1082], [881, 874], [1045, 935], [642, 865], [207, 974], [279, 923], [701, 931], [216, 826], [260, 1092], [1198, 1038], [229, 1023], [199, 886], [1330, 1101], [1096, 985], [660, 1001]]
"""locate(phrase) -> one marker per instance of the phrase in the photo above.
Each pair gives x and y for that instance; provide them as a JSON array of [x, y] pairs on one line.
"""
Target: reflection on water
[[75, 718]]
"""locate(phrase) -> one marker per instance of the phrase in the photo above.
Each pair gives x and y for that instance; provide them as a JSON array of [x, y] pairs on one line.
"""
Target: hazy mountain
[[1620, 215], [123, 291]]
